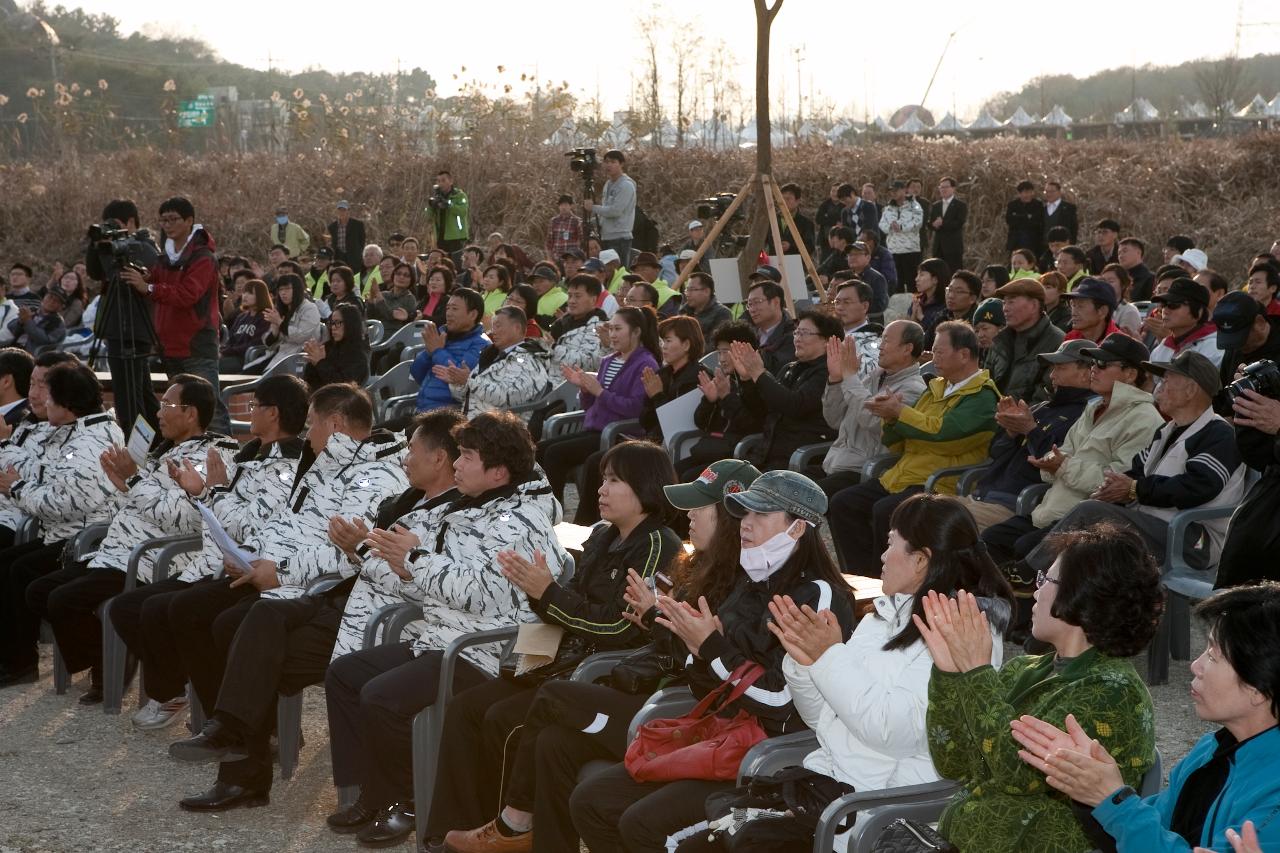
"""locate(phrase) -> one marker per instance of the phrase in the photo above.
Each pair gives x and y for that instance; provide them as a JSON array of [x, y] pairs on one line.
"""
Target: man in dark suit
[[1059, 212], [16, 367], [347, 238], [946, 218], [1025, 217], [790, 245]]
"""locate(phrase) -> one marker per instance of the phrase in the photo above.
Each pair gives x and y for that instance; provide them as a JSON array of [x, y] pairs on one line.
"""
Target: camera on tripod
[[583, 162], [714, 207], [439, 199], [137, 250]]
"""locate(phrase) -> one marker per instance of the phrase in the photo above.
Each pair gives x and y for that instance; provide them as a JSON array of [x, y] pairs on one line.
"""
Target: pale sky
[[853, 54]]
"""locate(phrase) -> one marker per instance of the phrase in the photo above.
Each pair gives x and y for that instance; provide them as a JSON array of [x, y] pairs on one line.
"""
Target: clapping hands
[[956, 631]]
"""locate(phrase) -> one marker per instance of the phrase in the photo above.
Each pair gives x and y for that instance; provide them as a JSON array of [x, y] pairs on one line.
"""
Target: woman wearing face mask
[[866, 699], [782, 554], [571, 723]]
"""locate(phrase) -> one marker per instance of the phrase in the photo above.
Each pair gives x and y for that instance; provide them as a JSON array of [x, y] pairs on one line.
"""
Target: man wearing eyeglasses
[[774, 329], [700, 303], [184, 288]]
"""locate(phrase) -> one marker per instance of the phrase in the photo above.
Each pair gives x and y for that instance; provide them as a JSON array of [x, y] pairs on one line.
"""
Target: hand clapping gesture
[[1115, 488], [652, 382], [273, 317], [453, 374], [8, 477], [313, 351], [639, 597], [955, 631], [747, 360], [1050, 462], [348, 535], [187, 477], [532, 577], [805, 635], [393, 546], [887, 405], [119, 466], [692, 625], [432, 339], [1015, 416]]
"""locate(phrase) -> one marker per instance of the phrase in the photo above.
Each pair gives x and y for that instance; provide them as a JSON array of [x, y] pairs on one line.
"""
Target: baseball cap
[[343, 205], [573, 253], [645, 259], [546, 271], [1023, 287], [780, 491], [1234, 315], [1118, 346], [1068, 353], [686, 255], [324, 252], [56, 292], [1183, 290], [1191, 364], [766, 271], [898, 185], [1108, 225], [1196, 257], [593, 265], [610, 256], [694, 223], [989, 311], [719, 479], [857, 246], [1094, 288]]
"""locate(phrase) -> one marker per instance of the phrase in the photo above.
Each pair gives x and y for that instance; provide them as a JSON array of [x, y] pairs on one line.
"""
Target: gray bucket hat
[[780, 491]]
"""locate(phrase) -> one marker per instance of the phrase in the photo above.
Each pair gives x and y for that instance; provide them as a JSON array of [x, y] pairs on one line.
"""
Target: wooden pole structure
[[804, 251], [766, 184], [710, 240]]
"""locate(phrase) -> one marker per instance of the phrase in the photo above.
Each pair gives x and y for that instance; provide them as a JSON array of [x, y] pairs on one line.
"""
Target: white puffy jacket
[[512, 378], [22, 451], [580, 346], [69, 490], [909, 216]]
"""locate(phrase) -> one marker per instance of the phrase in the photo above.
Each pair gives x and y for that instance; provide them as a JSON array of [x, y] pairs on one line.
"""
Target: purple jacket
[[624, 398]]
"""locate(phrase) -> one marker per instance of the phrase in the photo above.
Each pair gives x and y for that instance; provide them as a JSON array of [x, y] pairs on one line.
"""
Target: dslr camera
[[1261, 376], [439, 199], [137, 250]]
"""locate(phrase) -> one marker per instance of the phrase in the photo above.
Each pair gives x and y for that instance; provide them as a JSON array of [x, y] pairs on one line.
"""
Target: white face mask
[[761, 561]]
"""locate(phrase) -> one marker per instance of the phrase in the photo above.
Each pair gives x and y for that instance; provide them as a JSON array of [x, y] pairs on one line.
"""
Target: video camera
[[1261, 376], [714, 207], [137, 250], [583, 161]]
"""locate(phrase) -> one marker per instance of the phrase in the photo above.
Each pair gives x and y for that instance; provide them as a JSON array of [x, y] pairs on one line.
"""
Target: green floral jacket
[[1005, 805]]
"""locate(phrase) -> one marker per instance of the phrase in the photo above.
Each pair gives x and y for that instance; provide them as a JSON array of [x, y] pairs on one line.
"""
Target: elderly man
[[1193, 461], [1012, 359], [950, 424]]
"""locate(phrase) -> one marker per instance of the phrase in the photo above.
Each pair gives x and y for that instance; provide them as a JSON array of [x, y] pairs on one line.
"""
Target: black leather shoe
[[92, 696], [351, 819], [214, 743], [12, 678], [391, 827], [222, 796]]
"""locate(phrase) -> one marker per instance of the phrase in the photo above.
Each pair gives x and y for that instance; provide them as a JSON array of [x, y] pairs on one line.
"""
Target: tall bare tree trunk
[[758, 226]]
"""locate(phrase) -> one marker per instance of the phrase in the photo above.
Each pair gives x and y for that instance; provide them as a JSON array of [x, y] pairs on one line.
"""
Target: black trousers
[[140, 617], [131, 384], [19, 624], [560, 455], [72, 609], [372, 697], [859, 519], [202, 620], [568, 725], [613, 812], [838, 482], [282, 646], [907, 263], [475, 750], [1013, 539]]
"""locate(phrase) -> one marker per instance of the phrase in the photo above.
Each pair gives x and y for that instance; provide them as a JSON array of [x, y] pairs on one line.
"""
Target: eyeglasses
[[165, 404], [963, 290], [254, 405], [170, 220], [1103, 365], [1042, 578], [756, 303], [847, 301], [336, 324], [804, 333]]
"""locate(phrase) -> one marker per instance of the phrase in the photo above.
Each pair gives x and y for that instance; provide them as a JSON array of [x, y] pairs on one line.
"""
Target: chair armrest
[[185, 545], [562, 424], [388, 408], [877, 465], [135, 556], [86, 540], [384, 617], [1181, 523], [324, 583], [748, 444], [806, 454], [602, 663], [776, 753], [879, 809], [931, 484], [449, 662], [667, 702], [1029, 498], [676, 443], [616, 430]]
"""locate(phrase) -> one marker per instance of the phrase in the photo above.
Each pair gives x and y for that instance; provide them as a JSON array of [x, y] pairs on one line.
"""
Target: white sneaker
[[158, 715]]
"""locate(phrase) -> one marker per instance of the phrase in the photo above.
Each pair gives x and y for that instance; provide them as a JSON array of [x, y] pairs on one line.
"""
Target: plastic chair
[[711, 361], [776, 753], [748, 444], [1029, 498], [82, 544], [293, 364], [969, 475], [877, 465], [289, 708], [404, 336], [618, 431], [374, 330], [807, 455], [390, 388]]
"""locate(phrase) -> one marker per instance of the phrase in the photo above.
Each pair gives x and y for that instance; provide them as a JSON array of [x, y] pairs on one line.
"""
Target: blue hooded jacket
[[461, 349]]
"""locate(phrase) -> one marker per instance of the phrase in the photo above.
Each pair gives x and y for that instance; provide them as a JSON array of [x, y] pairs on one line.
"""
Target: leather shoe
[[351, 819], [215, 742], [92, 696], [392, 826], [223, 796], [487, 839], [11, 678]]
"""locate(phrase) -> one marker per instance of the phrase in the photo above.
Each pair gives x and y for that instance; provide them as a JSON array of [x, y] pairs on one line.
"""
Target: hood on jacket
[[199, 239]]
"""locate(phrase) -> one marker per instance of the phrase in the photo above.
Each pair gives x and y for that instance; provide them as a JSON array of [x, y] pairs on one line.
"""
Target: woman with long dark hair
[[345, 357], [294, 319], [495, 284], [930, 304], [248, 328]]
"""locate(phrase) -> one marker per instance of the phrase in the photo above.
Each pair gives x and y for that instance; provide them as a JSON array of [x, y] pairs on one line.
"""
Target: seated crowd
[[1078, 434]]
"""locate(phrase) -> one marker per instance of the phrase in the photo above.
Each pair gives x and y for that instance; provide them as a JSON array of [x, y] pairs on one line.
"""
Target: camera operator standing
[[123, 322], [450, 214], [1248, 553], [183, 286], [616, 212]]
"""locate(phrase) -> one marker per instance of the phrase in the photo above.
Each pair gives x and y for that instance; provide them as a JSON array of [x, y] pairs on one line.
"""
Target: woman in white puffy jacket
[[866, 698]]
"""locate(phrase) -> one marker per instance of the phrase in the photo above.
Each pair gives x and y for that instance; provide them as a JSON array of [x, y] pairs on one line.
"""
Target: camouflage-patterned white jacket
[[579, 345], [69, 490], [22, 451], [348, 478], [501, 380], [456, 574], [259, 487], [156, 506]]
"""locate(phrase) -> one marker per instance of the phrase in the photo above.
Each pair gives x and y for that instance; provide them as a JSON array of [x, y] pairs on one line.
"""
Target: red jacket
[[185, 296], [1074, 334]]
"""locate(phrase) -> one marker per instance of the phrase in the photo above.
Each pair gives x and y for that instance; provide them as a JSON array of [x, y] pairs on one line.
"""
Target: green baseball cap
[[726, 477], [780, 491]]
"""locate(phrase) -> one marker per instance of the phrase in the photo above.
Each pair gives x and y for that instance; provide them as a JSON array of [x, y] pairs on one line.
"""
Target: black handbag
[[912, 836], [572, 651]]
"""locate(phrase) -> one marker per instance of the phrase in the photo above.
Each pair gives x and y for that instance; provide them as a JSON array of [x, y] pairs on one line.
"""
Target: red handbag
[[700, 745]]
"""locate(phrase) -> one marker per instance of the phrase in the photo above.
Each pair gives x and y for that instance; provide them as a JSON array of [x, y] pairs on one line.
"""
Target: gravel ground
[[73, 779]]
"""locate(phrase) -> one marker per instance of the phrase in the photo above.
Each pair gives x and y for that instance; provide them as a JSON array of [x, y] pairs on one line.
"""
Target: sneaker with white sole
[[158, 715]]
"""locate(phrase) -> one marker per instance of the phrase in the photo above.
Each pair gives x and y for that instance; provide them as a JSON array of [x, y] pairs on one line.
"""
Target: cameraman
[[1248, 554], [450, 214], [616, 212], [184, 288], [124, 325]]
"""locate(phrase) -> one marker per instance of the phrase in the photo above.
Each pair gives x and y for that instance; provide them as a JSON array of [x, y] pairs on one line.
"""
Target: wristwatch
[[1123, 794], [1133, 491]]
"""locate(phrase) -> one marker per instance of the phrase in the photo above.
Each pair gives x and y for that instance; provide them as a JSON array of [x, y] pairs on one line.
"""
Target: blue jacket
[[1252, 793], [434, 393]]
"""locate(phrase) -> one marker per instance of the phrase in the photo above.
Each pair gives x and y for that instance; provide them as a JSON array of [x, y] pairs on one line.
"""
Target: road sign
[[196, 113]]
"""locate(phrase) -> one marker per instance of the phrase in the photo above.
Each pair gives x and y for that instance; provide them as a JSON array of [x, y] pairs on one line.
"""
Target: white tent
[[881, 125], [1056, 117], [1273, 108], [1255, 108], [984, 121], [1189, 109], [1140, 110], [949, 123], [1020, 118], [913, 124]]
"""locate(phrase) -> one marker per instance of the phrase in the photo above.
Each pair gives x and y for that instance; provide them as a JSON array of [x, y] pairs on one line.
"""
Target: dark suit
[[804, 225], [1026, 225], [948, 239], [1066, 217], [353, 256]]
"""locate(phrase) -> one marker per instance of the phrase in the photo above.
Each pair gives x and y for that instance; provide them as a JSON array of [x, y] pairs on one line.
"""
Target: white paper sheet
[[230, 549], [140, 439], [677, 416]]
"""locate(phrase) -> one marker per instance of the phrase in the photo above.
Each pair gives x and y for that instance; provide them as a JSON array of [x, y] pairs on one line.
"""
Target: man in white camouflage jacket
[[242, 499], [63, 488], [150, 504], [354, 470], [283, 645], [512, 370]]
